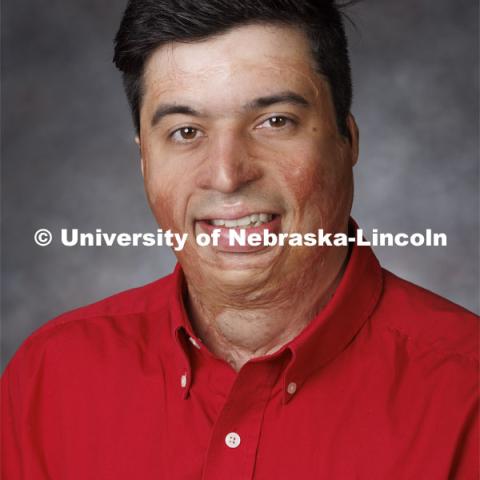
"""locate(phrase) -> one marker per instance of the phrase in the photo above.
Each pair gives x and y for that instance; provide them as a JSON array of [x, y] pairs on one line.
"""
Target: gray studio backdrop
[[69, 159]]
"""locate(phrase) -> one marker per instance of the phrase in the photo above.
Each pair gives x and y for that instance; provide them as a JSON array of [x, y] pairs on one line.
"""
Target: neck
[[238, 331]]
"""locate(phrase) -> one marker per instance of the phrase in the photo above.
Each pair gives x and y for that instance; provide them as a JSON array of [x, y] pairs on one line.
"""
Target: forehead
[[238, 63]]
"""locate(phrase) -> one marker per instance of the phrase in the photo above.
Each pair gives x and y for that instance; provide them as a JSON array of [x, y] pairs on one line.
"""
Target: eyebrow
[[282, 97], [260, 102], [172, 109]]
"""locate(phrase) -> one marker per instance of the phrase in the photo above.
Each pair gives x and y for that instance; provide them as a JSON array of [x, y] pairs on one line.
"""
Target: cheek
[[161, 199], [164, 187], [318, 180]]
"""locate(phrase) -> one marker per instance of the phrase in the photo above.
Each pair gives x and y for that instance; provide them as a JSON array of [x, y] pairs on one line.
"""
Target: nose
[[228, 165]]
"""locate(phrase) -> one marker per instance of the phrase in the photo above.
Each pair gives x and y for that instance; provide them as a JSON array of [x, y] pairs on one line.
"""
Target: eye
[[276, 121], [185, 134]]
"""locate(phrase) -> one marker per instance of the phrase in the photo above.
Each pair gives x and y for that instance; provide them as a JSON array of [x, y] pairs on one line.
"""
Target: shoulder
[[428, 346], [122, 318], [428, 321]]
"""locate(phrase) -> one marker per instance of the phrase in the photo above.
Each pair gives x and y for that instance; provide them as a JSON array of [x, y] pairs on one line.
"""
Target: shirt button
[[292, 388], [183, 380], [232, 440], [194, 342]]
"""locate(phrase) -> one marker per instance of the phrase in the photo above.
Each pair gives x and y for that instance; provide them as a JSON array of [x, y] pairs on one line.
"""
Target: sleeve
[[11, 450], [466, 464], [21, 455]]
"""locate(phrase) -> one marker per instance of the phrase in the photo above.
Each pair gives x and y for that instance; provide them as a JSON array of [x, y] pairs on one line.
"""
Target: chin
[[243, 263]]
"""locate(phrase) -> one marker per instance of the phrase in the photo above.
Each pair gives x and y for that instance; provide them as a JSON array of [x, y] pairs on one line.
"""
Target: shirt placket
[[234, 440]]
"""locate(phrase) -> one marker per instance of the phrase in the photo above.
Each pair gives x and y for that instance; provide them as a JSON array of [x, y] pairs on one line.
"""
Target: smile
[[253, 223], [253, 220]]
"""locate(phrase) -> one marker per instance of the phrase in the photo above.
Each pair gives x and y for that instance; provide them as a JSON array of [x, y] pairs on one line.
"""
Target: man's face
[[241, 125]]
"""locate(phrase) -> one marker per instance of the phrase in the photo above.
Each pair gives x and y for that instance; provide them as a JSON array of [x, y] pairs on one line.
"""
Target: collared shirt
[[382, 384]]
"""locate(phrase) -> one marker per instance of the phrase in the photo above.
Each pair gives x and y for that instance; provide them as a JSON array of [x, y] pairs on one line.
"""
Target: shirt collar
[[326, 336]]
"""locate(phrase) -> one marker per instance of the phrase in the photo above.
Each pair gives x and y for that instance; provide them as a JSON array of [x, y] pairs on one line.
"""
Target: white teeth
[[218, 223], [241, 222], [255, 220]]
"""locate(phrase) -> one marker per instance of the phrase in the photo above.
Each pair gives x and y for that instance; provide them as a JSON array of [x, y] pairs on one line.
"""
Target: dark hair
[[148, 24]]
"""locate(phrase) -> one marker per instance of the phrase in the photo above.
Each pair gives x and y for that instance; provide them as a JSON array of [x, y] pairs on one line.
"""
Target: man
[[262, 362]]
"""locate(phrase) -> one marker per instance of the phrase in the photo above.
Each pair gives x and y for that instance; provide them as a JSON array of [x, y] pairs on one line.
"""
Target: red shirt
[[381, 385]]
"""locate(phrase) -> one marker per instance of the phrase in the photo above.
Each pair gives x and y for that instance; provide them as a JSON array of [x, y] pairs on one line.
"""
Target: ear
[[142, 167], [354, 137]]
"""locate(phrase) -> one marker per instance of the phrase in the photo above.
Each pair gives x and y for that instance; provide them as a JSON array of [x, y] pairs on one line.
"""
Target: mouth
[[254, 223], [253, 220]]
